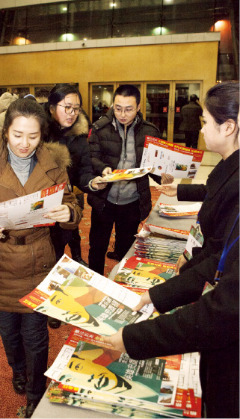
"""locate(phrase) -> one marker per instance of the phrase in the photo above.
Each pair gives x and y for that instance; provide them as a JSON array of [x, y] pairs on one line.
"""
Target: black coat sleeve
[[81, 171], [208, 322], [211, 322], [96, 155], [195, 193]]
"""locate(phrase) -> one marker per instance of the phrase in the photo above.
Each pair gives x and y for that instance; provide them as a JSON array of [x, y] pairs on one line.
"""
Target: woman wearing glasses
[[69, 125]]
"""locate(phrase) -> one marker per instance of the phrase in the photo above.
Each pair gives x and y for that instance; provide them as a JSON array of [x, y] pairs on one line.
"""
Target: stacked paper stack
[[179, 211], [140, 274], [90, 375], [152, 246]]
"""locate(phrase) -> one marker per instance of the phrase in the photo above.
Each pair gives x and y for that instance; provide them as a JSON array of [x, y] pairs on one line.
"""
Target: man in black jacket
[[190, 121], [117, 142]]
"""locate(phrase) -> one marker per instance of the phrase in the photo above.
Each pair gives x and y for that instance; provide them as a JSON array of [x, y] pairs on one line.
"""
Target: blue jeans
[[25, 340]]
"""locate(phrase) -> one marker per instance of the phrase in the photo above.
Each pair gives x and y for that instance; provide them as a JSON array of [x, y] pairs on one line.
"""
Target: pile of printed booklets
[[87, 372]]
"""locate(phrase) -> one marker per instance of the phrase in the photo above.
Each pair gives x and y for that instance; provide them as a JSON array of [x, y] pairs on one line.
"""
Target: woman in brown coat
[[28, 165]]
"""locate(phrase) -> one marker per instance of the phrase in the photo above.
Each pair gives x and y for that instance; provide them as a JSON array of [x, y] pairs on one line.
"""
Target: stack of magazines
[[152, 246], [140, 274], [89, 374]]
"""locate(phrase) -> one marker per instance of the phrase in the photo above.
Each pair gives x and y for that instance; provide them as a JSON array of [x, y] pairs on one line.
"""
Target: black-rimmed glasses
[[69, 109]]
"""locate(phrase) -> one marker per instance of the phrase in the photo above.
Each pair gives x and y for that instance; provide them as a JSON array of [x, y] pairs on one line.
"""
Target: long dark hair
[[222, 101], [27, 108], [60, 91]]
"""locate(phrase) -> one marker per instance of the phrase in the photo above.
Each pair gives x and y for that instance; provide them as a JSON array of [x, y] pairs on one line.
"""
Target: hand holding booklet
[[126, 174], [28, 211]]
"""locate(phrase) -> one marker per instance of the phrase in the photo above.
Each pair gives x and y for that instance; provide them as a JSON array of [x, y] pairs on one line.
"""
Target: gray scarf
[[20, 165]]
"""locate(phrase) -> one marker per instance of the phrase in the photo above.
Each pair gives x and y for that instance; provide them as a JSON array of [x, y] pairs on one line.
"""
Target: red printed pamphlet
[[171, 158]]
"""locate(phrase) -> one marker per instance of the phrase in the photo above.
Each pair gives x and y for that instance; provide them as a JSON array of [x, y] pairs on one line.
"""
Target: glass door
[[161, 103], [157, 106], [183, 91], [102, 96]]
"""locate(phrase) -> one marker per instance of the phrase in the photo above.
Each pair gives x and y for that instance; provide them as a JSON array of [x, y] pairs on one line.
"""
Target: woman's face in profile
[[24, 135], [66, 111]]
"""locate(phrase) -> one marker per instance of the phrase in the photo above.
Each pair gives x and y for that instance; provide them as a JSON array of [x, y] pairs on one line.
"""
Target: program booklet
[[27, 211], [126, 174], [174, 159], [179, 210]]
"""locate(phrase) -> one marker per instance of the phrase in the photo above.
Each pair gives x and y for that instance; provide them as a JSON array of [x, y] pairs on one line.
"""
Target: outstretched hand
[[169, 190], [116, 341]]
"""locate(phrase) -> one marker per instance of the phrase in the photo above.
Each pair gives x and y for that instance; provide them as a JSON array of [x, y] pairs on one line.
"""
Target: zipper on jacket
[[124, 160]]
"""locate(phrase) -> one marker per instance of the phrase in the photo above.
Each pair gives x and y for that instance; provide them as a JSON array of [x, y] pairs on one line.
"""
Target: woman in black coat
[[211, 324], [68, 124]]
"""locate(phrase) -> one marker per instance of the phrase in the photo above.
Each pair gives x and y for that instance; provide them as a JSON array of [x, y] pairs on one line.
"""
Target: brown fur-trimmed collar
[[81, 126], [60, 154]]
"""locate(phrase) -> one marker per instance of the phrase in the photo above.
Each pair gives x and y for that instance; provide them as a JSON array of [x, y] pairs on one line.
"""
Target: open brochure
[[174, 159], [79, 296], [179, 211], [27, 211], [127, 174]]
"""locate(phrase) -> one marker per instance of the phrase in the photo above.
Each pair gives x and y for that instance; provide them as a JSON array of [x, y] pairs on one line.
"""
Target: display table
[[45, 408], [155, 219]]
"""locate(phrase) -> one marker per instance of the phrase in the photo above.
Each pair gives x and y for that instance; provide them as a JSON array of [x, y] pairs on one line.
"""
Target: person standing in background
[[5, 100], [190, 121]]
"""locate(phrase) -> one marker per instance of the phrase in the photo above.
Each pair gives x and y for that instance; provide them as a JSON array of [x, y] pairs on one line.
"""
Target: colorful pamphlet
[[28, 211], [144, 273], [79, 296], [127, 174], [174, 159], [179, 211]]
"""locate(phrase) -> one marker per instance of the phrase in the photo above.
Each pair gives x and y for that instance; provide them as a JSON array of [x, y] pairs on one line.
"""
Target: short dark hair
[[193, 98], [27, 108], [128, 90], [222, 101], [60, 91]]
